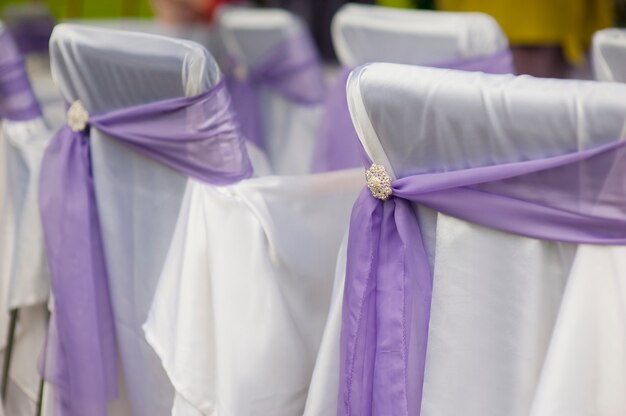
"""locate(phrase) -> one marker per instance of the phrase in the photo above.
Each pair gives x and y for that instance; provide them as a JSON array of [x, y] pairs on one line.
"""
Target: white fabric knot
[[77, 116], [379, 181]]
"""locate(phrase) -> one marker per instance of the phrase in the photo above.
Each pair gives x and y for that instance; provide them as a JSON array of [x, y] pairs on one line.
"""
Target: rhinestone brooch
[[77, 116], [379, 181]]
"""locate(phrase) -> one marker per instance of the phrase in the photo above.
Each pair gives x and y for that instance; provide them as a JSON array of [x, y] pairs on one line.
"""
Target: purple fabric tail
[[292, 70], [577, 197], [197, 136], [337, 144], [17, 100]]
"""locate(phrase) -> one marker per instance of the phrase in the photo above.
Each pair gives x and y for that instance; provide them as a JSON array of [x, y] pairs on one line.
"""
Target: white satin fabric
[[244, 294], [249, 35], [23, 256], [609, 55], [24, 275], [138, 198], [518, 326], [363, 34]]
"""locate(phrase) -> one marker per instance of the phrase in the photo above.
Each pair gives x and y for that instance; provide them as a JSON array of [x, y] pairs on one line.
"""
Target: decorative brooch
[[379, 181], [77, 116]]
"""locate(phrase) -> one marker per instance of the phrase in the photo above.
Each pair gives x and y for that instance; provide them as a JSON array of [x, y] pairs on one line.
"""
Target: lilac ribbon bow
[[17, 100], [197, 136], [292, 70], [577, 197], [337, 144]]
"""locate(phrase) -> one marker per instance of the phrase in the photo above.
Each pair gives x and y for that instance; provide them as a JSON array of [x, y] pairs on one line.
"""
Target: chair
[[287, 123], [506, 310], [363, 34], [204, 34], [24, 275], [138, 198], [609, 56]]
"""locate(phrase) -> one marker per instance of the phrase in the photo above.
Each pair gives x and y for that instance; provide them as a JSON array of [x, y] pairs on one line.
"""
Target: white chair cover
[[206, 35], [363, 34], [244, 295], [24, 274], [138, 198], [609, 55], [249, 35], [518, 326]]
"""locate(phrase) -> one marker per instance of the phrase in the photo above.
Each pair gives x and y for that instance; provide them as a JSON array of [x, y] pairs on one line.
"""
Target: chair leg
[[6, 366], [40, 397], [42, 381]]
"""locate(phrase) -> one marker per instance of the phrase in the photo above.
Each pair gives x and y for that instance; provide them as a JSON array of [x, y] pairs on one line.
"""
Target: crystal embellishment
[[77, 116], [379, 181]]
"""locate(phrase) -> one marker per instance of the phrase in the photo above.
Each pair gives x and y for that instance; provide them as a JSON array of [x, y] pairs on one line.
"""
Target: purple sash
[[292, 70], [577, 197], [30, 25], [197, 136], [17, 100], [337, 144]]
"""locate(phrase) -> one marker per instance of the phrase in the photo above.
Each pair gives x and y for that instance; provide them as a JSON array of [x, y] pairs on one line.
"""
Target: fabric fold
[[197, 136], [292, 70], [576, 197]]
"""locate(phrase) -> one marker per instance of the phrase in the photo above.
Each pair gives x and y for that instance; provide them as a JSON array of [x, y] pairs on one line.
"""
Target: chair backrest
[[415, 120], [22, 142], [204, 34], [609, 55], [249, 36], [138, 198], [364, 34]]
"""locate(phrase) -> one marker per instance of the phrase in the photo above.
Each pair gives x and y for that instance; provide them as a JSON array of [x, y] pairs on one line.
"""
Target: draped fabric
[[32, 35], [17, 100], [197, 136], [577, 197], [609, 55], [244, 292], [337, 144], [292, 70]]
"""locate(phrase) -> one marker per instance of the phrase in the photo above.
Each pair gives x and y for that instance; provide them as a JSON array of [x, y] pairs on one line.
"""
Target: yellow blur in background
[[566, 23], [89, 9], [569, 23]]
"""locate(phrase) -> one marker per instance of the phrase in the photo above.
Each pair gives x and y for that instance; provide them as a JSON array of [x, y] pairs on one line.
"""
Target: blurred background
[[548, 37]]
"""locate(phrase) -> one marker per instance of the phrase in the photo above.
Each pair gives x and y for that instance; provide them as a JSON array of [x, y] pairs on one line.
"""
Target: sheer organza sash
[[17, 100], [292, 70], [579, 197], [337, 144], [197, 136]]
